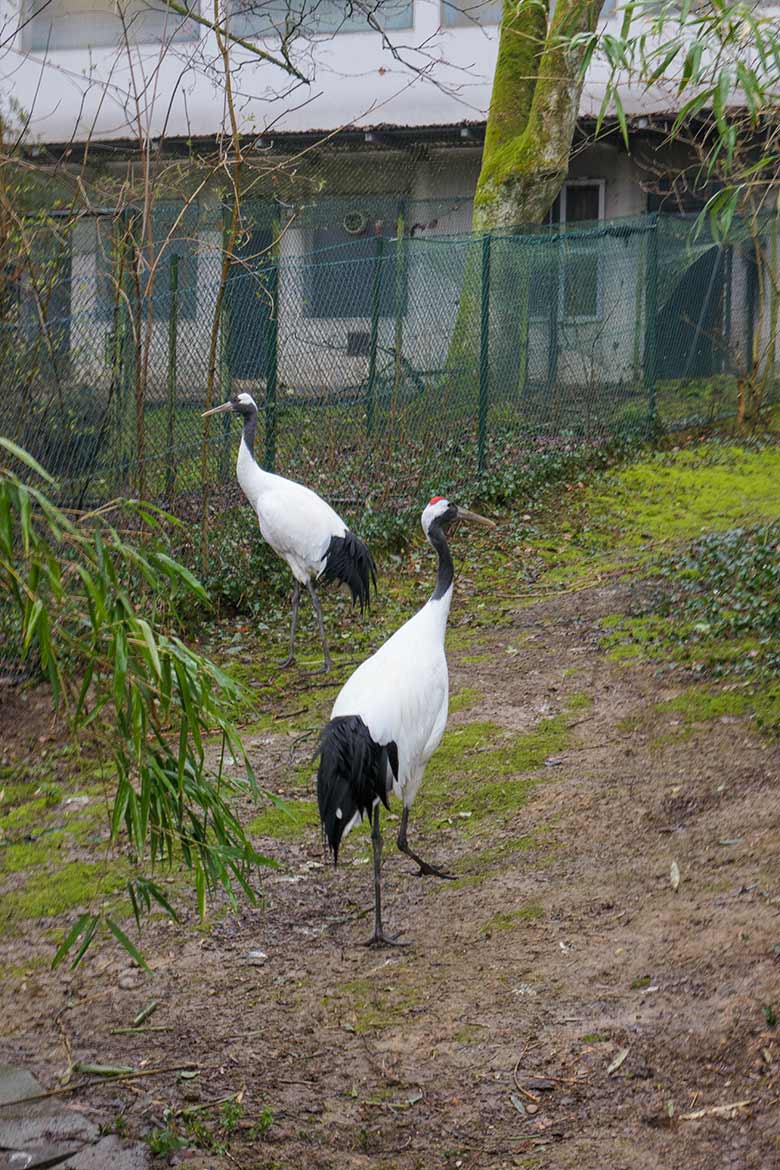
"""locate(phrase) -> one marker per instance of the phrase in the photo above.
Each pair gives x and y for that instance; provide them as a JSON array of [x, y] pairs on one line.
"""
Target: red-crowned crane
[[300, 527], [389, 717]]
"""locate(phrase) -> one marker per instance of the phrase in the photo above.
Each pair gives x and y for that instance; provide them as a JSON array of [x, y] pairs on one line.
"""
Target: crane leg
[[318, 611], [296, 597], [425, 868], [379, 938]]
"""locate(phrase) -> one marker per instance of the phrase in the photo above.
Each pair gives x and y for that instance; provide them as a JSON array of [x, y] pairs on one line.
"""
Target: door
[[689, 331], [249, 308]]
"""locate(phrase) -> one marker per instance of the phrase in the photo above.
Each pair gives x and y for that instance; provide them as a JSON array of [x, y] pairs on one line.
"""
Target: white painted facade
[[173, 87]]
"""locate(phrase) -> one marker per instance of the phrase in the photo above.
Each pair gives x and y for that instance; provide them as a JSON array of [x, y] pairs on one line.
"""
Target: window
[[457, 13], [580, 202], [340, 283], [281, 17], [183, 244], [567, 279], [101, 24]]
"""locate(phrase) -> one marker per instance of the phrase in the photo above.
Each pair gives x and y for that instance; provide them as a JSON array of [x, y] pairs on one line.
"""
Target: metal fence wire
[[385, 352]]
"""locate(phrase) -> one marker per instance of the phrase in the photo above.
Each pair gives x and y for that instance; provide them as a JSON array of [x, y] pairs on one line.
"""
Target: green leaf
[[151, 645], [129, 946], [25, 457], [74, 932]]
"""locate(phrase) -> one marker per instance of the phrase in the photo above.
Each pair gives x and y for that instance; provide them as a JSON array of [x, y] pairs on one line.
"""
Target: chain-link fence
[[386, 347]]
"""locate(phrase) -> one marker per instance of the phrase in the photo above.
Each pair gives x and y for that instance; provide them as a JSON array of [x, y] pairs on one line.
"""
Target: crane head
[[440, 511], [240, 404]]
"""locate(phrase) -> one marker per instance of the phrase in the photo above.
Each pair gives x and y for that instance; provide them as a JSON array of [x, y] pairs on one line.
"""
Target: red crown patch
[[435, 500]]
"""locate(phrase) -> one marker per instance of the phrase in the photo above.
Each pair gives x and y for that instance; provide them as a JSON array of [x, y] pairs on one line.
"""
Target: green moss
[[286, 823], [641, 983], [468, 697], [510, 919], [28, 812], [371, 1004], [698, 705], [47, 893], [23, 855], [627, 514], [472, 1033]]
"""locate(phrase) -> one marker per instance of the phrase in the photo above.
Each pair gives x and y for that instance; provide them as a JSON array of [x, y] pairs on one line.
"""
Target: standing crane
[[300, 527], [389, 717]]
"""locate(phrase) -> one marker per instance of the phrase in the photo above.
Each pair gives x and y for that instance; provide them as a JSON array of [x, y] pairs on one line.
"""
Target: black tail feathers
[[352, 775], [349, 562]]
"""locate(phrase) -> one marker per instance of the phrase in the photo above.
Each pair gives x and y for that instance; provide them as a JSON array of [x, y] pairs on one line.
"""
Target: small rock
[[127, 981], [256, 958]]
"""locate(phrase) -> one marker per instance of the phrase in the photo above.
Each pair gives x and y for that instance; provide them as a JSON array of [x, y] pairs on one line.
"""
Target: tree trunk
[[533, 112], [525, 160]]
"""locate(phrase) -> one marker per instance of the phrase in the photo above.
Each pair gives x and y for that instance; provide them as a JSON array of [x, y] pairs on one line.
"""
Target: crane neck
[[249, 432], [251, 476], [446, 572]]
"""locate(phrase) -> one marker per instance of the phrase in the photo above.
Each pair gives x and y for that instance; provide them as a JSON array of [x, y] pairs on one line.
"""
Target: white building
[[406, 106]]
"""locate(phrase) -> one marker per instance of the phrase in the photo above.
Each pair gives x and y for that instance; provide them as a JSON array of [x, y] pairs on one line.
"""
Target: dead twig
[[92, 1082], [529, 1096], [715, 1110]]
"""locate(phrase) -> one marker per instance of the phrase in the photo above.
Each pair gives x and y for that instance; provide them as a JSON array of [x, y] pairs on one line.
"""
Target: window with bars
[[459, 13], [101, 24], [568, 281]]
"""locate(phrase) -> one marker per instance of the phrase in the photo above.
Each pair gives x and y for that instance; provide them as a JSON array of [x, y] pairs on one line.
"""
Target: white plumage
[[402, 693], [300, 527], [390, 716]]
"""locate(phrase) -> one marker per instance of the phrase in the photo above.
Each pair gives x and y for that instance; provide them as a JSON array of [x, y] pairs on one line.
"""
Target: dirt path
[[563, 951]]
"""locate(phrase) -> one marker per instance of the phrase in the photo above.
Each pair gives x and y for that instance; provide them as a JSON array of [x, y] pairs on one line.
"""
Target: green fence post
[[376, 289], [272, 353], [173, 317], [484, 354], [651, 322], [400, 298]]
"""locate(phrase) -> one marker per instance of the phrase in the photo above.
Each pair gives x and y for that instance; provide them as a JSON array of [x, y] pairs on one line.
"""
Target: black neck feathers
[[446, 573], [250, 430]]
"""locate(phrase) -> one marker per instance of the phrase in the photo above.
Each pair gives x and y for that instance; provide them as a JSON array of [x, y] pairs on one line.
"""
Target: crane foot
[[427, 870], [380, 939], [289, 660]]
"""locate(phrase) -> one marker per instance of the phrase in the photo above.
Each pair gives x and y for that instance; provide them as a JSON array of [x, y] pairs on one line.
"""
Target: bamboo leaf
[[74, 932], [26, 458], [129, 946]]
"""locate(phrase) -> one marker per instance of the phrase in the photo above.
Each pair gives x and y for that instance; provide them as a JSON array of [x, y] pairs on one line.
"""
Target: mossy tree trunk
[[531, 123], [533, 111]]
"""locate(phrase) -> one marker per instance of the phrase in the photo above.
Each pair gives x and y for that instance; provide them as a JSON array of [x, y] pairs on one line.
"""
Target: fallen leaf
[[518, 1104], [616, 1063]]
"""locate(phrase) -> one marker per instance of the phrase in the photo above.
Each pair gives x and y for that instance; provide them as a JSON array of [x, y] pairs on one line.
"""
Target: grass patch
[[366, 1005], [287, 823], [468, 697], [47, 893], [511, 919]]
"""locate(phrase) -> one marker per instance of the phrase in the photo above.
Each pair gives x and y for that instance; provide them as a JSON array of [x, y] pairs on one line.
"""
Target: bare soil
[[562, 1005]]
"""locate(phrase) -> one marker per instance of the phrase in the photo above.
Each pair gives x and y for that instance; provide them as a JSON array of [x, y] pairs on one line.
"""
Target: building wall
[[425, 75], [314, 352]]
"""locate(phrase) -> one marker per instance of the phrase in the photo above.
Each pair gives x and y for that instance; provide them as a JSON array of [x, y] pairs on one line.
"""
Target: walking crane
[[389, 717]]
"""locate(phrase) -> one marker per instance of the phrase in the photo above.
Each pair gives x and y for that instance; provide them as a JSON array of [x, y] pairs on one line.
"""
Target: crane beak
[[217, 409], [475, 518]]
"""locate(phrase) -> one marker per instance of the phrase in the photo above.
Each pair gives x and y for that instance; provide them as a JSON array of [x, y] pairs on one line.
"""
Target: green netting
[[386, 350]]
